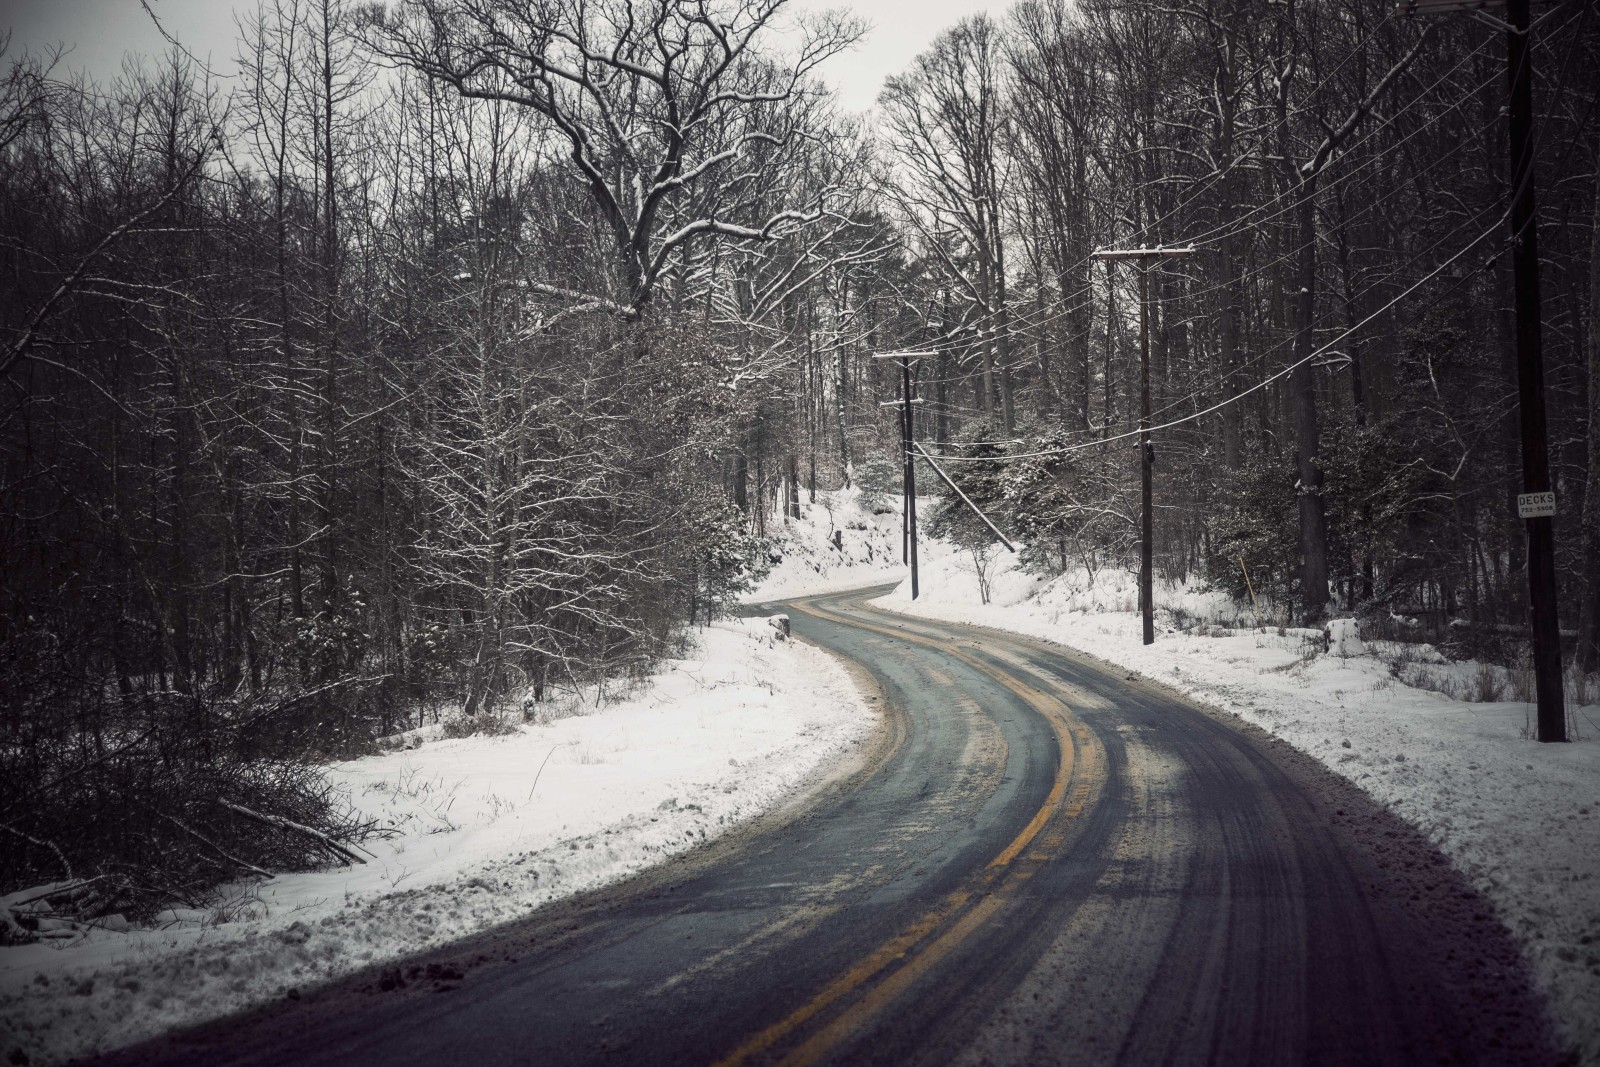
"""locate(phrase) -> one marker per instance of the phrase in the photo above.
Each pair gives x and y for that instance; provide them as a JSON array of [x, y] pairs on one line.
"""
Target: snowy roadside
[[1521, 820], [490, 828], [808, 560]]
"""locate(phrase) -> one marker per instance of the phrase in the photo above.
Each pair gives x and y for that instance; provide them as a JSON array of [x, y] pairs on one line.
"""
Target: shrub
[[132, 801], [483, 724]]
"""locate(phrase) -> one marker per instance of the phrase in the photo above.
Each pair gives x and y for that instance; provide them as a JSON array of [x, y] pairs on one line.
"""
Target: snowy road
[[1041, 862]]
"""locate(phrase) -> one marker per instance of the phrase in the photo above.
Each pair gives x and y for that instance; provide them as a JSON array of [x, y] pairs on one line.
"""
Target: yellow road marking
[[996, 882], [887, 991]]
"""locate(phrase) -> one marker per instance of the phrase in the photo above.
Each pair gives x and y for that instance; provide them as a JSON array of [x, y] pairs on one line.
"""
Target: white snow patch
[[1520, 819], [485, 836], [867, 552], [1344, 637]]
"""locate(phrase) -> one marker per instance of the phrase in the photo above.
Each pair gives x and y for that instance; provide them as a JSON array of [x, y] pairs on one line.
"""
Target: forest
[[457, 352]]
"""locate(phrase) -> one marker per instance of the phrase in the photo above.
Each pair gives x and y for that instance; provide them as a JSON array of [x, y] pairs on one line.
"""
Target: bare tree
[[653, 101], [1301, 166], [946, 123]]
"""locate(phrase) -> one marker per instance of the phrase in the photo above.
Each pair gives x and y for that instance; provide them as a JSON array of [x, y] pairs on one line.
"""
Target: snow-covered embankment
[[848, 539]]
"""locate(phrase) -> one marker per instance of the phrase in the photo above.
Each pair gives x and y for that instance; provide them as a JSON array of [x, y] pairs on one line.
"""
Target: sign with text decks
[[1536, 505]]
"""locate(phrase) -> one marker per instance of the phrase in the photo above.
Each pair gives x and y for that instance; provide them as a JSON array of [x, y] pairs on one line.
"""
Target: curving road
[[1042, 861]]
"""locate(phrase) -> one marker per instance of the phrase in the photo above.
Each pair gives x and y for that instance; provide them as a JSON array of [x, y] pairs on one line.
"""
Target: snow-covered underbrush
[[1441, 743], [848, 539], [484, 828]]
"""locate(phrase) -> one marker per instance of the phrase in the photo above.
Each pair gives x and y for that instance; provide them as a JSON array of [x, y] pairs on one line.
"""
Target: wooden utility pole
[[911, 469], [1144, 257], [908, 469], [1536, 504]]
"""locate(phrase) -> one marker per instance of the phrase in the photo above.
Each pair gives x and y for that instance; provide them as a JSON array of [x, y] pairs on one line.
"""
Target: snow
[[1520, 819], [489, 828], [1344, 638], [807, 561]]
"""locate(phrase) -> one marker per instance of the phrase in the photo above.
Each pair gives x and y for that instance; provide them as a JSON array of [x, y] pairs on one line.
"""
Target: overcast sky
[[101, 32]]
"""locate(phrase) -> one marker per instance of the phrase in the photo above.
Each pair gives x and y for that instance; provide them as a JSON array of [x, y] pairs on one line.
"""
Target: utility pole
[[1144, 257], [911, 470], [1536, 504], [905, 507], [908, 469]]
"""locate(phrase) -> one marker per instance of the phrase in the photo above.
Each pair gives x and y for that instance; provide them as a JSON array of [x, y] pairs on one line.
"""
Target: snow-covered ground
[[1520, 819], [867, 553], [489, 828]]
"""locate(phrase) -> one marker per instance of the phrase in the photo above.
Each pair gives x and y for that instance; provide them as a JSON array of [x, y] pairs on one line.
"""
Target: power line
[[1195, 393], [1258, 386], [1235, 226], [1558, 91], [1023, 321]]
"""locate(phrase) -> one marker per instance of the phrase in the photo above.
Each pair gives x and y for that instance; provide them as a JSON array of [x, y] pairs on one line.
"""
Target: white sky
[[102, 32]]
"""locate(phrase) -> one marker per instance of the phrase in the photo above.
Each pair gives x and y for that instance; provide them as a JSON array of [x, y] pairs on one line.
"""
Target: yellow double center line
[[899, 963]]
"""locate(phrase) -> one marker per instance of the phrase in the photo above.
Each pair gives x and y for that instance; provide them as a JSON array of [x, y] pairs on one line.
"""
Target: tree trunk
[[328, 451], [1108, 408], [1080, 296], [1008, 410], [987, 384], [941, 419], [1589, 617], [1303, 389], [839, 405], [761, 496], [1228, 328]]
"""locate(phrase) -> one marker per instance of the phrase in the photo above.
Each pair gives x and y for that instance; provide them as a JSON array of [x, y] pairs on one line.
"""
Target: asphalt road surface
[[1041, 861]]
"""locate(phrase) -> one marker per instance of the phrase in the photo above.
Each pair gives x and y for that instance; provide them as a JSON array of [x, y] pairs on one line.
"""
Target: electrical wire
[[1195, 394], [1246, 221], [1258, 386], [1222, 230], [1557, 92]]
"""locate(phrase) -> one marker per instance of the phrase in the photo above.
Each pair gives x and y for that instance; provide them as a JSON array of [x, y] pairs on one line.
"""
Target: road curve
[[1042, 861]]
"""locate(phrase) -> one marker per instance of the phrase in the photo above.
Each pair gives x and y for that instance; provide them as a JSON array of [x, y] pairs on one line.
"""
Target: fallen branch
[[14, 931], [281, 823], [1261, 626], [51, 845], [213, 846], [64, 889]]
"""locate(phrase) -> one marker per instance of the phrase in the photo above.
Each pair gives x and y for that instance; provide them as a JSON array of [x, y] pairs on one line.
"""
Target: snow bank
[[489, 828], [1520, 819], [809, 559]]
